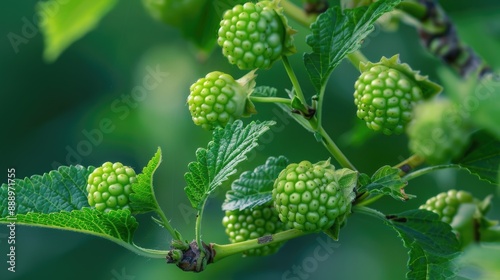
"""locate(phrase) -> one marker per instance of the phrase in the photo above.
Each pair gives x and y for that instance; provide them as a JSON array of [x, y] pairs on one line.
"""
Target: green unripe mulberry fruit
[[385, 98], [438, 133], [309, 198], [386, 92], [251, 224], [446, 204], [218, 99], [109, 186], [255, 35]]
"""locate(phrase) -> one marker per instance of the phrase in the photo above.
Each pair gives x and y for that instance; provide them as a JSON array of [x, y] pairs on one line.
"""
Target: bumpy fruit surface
[[438, 133], [251, 224], [216, 100], [109, 186], [385, 98], [446, 204], [252, 35], [308, 197]]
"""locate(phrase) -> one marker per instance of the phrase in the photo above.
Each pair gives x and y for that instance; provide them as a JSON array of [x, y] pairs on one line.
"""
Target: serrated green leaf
[[483, 157], [64, 189], [254, 188], [215, 164], [432, 244], [335, 34], [67, 21], [386, 180], [143, 199], [264, 91], [117, 225]]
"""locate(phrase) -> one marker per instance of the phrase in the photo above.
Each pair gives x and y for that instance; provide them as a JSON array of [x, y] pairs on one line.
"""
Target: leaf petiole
[[259, 99], [227, 250], [429, 169]]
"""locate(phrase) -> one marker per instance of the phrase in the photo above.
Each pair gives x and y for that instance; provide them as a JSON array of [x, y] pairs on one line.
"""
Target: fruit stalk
[[222, 251]]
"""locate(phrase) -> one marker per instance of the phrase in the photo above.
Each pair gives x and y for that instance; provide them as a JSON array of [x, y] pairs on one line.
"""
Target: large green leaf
[[117, 226], [64, 22], [432, 244], [218, 161], [254, 188], [63, 189], [483, 157], [58, 199], [337, 33]]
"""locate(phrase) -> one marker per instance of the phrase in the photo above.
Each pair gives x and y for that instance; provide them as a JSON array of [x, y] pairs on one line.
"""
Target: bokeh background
[[45, 109]]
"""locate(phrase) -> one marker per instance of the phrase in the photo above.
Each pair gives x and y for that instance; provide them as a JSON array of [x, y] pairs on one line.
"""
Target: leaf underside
[[254, 188], [483, 157]]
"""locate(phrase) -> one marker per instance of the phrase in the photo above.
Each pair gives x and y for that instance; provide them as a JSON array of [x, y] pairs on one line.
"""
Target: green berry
[[218, 99], [385, 98], [109, 186], [254, 35], [309, 198], [446, 204], [438, 133], [251, 224]]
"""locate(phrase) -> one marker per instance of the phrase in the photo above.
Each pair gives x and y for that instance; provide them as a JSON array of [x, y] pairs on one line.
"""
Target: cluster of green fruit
[[390, 97]]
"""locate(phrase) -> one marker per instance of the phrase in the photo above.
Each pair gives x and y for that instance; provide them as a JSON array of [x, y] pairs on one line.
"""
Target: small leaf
[[67, 21], [483, 157], [215, 164], [386, 180], [117, 225], [254, 188], [143, 198], [64, 189], [335, 34], [264, 91], [432, 244]]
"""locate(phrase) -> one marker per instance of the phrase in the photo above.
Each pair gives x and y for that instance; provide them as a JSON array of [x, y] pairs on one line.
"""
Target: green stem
[[226, 250], [429, 169], [356, 58], [370, 200], [294, 80], [149, 253], [286, 101], [334, 149], [368, 211], [197, 229], [298, 14], [166, 224]]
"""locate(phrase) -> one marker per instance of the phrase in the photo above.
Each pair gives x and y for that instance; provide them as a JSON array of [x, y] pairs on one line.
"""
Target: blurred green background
[[47, 110]]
